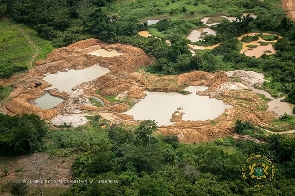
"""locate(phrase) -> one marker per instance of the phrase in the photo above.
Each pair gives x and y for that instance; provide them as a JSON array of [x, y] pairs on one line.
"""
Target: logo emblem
[[258, 170]]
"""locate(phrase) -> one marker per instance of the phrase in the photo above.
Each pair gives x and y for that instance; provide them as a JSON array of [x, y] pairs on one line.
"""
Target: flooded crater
[[47, 101], [160, 106], [199, 34], [65, 81]]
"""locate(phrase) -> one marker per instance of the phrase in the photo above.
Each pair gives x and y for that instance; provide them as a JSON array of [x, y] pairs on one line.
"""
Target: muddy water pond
[[47, 101], [160, 106], [105, 53], [65, 81], [276, 105], [151, 22], [199, 34]]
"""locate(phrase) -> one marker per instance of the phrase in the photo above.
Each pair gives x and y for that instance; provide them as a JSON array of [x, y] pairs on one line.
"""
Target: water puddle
[[254, 48], [199, 34], [259, 50], [206, 20], [144, 33], [65, 81], [151, 22], [275, 105], [160, 106], [47, 101], [105, 53]]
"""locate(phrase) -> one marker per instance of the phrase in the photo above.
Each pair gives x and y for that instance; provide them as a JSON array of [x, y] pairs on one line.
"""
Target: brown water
[[199, 34], [259, 50], [105, 53], [144, 33], [65, 81], [47, 101], [160, 106], [275, 105], [229, 18]]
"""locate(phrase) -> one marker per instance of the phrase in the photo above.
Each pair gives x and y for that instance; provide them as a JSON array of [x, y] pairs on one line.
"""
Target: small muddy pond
[[151, 22], [199, 34], [47, 101], [206, 20], [275, 105], [105, 53], [65, 81], [259, 50], [256, 49], [144, 33], [160, 106]]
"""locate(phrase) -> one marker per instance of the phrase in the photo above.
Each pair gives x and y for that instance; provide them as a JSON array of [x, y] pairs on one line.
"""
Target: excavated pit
[[128, 83]]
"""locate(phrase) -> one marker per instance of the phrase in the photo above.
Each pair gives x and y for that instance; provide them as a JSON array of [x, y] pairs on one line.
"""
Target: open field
[[16, 50]]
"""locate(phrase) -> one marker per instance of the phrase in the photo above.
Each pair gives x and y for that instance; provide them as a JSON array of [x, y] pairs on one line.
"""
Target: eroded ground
[[128, 82]]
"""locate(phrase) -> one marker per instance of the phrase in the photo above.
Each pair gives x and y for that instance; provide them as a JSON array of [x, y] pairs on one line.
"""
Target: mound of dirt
[[289, 7], [249, 78]]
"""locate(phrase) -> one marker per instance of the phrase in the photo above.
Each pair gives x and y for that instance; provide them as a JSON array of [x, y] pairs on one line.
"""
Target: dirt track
[[289, 7]]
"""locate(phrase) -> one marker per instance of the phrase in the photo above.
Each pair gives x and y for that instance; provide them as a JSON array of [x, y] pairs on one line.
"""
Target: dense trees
[[21, 134], [140, 163]]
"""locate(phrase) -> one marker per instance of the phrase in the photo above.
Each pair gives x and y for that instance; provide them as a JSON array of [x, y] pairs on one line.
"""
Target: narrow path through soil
[[282, 132], [31, 42], [3, 110]]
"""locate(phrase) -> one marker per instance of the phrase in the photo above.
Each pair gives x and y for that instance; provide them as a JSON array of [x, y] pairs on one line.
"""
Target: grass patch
[[263, 43], [5, 91], [213, 122], [263, 97], [184, 92], [16, 51], [268, 37], [216, 19], [252, 46], [248, 38], [111, 98], [285, 123], [154, 32], [95, 102]]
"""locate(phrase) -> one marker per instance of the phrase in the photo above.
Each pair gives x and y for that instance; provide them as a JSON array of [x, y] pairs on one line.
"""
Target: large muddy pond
[[65, 81], [199, 34], [160, 106], [47, 101]]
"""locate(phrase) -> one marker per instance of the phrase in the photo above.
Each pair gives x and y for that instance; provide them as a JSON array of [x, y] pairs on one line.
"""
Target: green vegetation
[[248, 38], [134, 161], [252, 46], [95, 102], [21, 134], [264, 43], [134, 158], [5, 91], [16, 50], [184, 92], [268, 37], [286, 122], [111, 98]]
